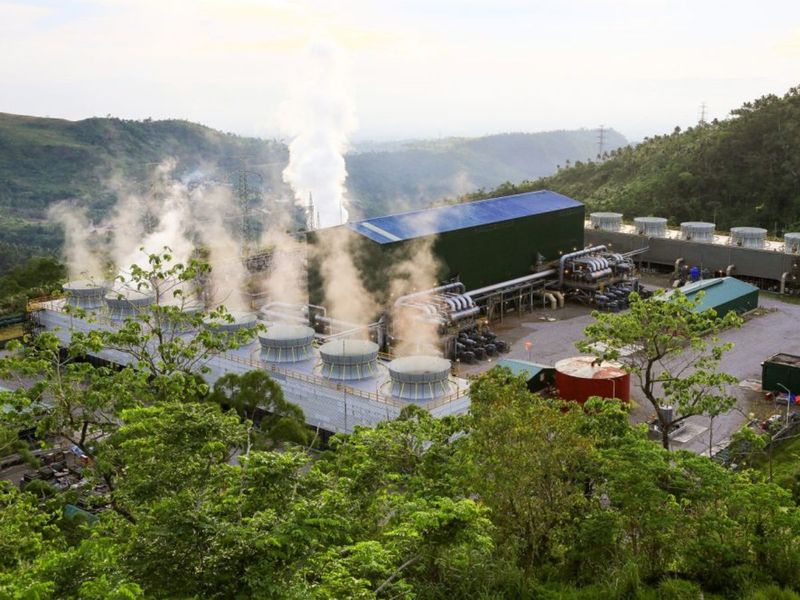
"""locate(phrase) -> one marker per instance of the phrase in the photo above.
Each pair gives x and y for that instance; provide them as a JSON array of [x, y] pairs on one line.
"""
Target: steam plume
[[81, 261], [319, 117], [228, 274]]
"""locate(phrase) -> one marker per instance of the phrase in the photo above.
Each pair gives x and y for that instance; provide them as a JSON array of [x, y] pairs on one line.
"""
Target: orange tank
[[581, 377]]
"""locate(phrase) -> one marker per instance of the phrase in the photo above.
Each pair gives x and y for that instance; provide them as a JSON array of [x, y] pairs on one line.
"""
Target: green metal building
[[781, 373], [723, 294], [480, 243], [537, 376]]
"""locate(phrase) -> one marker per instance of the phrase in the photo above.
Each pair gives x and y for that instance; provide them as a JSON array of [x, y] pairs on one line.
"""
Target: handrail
[[321, 381], [313, 379], [35, 304]]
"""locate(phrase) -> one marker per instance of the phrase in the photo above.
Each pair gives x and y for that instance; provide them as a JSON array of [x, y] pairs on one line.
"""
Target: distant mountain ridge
[[44, 160], [740, 171], [412, 173]]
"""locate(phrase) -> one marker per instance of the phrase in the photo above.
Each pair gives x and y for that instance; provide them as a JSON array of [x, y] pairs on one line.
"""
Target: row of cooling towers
[[412, 378], [696, 231]]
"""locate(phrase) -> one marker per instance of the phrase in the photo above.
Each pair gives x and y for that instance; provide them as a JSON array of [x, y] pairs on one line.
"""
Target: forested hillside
[[415, 173], [43, 161], [92, 161], [744, 170]]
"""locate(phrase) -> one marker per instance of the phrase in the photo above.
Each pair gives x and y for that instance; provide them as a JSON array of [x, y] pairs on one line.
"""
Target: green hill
[[415, 173], [744, 170], [46, 160], [43, 161]]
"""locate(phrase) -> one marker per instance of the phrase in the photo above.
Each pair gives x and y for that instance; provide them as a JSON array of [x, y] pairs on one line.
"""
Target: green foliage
[[523, 497], [171, 340], [671, 350], [38, 276], [253, 393], [740, 170]]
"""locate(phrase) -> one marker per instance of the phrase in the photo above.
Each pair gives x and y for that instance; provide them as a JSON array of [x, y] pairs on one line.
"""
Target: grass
[[785, 462]]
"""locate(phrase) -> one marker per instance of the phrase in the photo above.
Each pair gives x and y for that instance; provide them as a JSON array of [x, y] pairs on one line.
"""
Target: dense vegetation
[[413, 174], [744, 170], [95, 160], [38, 276], [523, 497]]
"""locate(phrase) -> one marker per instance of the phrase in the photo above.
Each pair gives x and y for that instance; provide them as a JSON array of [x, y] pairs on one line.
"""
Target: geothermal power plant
[[491, 259]]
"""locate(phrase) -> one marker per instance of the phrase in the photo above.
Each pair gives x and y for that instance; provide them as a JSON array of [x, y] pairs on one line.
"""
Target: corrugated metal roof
[[420, 223], [522, 367], [718, 291]]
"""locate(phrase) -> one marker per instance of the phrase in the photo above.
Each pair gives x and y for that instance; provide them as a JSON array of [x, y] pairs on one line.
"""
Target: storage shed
[[723, 294], [538, 376], [780, 373]]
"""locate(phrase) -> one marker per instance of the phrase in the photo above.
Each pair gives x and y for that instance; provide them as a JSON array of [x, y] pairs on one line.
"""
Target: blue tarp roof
[[420, 223]]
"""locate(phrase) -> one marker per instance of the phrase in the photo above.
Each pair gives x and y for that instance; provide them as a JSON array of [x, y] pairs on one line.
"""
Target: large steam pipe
[[729, 270], [560, 297], [562, 261], [430, 292], [784, 277], [463, 314], [511, 282], [344, 324]]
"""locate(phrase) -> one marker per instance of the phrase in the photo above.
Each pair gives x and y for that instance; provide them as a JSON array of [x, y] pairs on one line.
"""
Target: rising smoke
[[229, 277], [319, 117], [82, 261], [169, 215], [418, 271]]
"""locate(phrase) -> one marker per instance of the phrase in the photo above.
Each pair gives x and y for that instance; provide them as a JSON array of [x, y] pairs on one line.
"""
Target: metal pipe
[[729, 270], [339, 323], [560, 297], [436, 290], [510, 283], [548, 297], [456, 316], [562, 261], [784, 277]]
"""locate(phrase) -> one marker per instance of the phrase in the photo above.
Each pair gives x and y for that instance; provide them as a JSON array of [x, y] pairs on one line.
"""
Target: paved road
[[776, 329]]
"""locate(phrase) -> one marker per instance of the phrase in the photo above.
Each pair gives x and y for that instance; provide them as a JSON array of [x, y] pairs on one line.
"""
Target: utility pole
[[601, 139]]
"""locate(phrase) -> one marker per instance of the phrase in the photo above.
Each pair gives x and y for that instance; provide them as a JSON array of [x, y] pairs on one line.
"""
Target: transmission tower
[[244, 194], [601, 139], [702, 113]]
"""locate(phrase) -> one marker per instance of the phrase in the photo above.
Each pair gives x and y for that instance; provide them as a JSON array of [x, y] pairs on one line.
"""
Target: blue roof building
[[480, 243]]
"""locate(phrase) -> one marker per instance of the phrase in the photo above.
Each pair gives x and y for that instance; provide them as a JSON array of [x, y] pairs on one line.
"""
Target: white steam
[[229, 277], [286, 280], [319, 117], [81, 261]]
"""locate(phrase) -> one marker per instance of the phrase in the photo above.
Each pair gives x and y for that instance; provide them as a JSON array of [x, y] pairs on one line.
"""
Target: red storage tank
[[582, 377]]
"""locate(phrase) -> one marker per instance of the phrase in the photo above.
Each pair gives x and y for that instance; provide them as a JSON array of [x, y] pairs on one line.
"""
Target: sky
[[414, 68]]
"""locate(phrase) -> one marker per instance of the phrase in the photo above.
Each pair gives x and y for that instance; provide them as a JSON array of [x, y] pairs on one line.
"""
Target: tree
[[170, 339], [255, 392], [527, 457], [675, 358]]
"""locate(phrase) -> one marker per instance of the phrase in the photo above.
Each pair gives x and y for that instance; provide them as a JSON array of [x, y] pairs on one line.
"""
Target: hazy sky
[[416, 67]]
